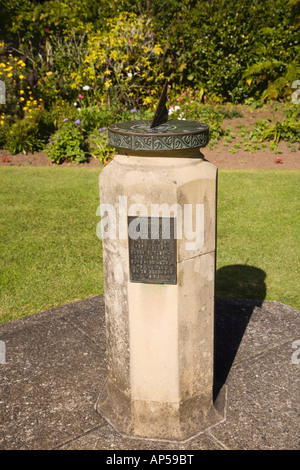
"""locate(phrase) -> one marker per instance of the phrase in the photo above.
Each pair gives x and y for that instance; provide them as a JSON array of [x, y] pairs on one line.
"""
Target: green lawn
[[258, 235], [50, 253]]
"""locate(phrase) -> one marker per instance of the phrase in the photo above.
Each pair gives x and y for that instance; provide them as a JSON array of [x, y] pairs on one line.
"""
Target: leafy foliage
[[29, 134], [67, 143], [115, 56], [124, 49], [99, 146], [122, 61], [288, 129], [23, 137]]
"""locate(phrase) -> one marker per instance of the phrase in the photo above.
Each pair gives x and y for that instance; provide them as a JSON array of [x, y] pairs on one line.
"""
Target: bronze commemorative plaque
[[152, 250]]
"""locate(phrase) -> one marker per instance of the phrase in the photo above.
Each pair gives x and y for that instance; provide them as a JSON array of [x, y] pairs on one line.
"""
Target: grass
[[50, 254], [258, 235]]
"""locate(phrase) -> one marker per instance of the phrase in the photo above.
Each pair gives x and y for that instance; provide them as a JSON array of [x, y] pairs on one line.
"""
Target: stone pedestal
[[160, 336]]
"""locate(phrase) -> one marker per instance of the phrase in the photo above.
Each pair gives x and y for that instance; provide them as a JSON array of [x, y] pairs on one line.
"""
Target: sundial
[[159, 134]]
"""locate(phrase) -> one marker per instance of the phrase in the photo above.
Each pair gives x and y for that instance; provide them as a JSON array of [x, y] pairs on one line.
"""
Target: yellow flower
[[21, 76], [22, 92], [9, 74], [1, 122], [25, 107], [22, 99]]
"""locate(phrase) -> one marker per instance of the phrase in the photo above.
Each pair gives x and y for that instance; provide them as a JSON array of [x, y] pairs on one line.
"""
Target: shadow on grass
[[232, 316]]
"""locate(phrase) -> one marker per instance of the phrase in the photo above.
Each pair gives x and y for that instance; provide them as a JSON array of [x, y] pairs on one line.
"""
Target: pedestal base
[[162, 421]]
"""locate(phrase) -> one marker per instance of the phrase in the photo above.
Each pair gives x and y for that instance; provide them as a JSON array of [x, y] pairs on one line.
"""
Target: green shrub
[[14, 74], [99, 146], [212, 44], [288, 129], [272, 78], [67, 143], [3, 137], [24, 136], [3, 130], [29, 134], [95, 117], [121, 61], [123, 51]]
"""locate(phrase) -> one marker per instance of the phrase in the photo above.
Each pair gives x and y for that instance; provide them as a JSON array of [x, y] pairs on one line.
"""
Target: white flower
[[129, 74], [78, 109], [85, 87], [172, 110], [75, 104]]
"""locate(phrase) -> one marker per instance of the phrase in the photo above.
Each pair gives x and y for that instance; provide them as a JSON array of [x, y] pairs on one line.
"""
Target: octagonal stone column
[[160, 336]]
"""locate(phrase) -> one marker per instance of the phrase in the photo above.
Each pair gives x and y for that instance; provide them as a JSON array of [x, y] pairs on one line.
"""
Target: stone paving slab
[[55, 368]]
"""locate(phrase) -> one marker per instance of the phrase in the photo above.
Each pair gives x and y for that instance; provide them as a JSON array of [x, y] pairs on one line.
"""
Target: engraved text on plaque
[[152, 250]]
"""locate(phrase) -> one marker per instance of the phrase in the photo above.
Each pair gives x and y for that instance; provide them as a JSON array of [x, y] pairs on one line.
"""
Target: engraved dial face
[[170, 127]]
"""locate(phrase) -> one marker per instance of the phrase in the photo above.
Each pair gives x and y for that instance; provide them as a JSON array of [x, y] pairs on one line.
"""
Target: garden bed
[[222, 158], [224, 154]]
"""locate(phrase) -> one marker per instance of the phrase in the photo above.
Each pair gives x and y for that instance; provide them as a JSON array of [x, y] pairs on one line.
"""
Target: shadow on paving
[[234, 282]]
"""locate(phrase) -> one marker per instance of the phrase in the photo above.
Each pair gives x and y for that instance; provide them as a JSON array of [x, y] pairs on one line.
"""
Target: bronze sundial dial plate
[[172, 135]]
